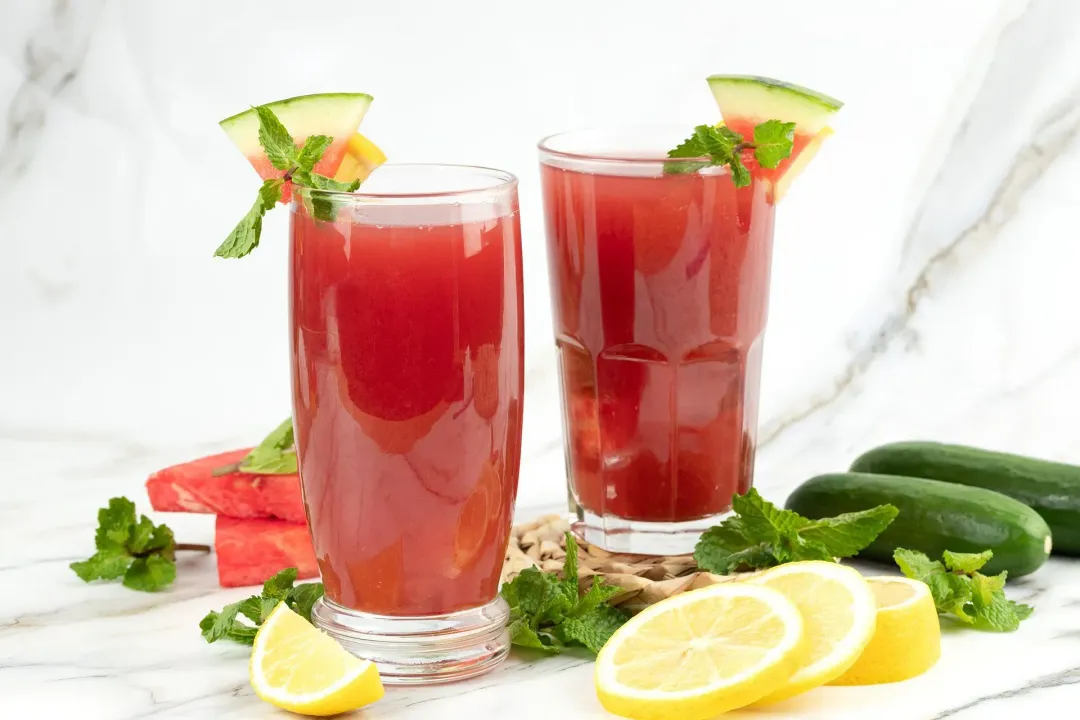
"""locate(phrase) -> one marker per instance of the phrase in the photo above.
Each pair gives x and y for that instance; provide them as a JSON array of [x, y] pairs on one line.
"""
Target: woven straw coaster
[[644, 579]]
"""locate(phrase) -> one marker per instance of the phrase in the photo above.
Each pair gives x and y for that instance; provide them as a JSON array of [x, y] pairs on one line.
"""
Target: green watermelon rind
[[334, 114], [757, 99]]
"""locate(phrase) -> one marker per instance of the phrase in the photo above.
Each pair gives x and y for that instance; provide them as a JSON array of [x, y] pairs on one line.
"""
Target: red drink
[[407, 382], [660, 285]]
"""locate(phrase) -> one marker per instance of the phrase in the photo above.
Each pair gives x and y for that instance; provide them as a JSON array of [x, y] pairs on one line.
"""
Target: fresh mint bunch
[[275, 455], [227, 624], [760, 535], [960, 590], [773, 141], [548, 613], [135, 549], [297, 163]]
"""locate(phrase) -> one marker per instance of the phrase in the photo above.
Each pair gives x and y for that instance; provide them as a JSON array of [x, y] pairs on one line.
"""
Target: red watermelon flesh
[[251, 550], [192, 487]]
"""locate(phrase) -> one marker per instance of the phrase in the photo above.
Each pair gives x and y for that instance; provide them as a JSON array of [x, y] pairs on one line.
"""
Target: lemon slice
[[299, 668], [907, 641], [701, 653], [839, 612], [361, 157]]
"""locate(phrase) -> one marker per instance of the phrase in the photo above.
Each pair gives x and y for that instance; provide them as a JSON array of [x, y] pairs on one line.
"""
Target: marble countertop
[[68, 649]]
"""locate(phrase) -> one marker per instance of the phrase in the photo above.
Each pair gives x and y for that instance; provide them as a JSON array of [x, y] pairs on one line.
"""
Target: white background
[[117, 325]]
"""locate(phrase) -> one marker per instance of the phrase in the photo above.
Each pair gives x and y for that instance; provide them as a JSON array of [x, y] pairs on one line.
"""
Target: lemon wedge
[[907, 641], [839, 612], [296, 667], [701, 653], [361, 157]]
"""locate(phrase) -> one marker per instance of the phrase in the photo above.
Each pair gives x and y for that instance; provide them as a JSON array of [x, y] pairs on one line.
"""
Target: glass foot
[[421, 650], [640, 537]]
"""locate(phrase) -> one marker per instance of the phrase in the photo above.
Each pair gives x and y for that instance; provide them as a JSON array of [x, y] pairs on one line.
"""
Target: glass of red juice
[[407, 352], [659, 279]]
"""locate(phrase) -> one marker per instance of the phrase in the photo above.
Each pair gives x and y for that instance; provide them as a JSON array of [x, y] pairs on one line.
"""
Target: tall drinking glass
[[659, 278], [407, 352]]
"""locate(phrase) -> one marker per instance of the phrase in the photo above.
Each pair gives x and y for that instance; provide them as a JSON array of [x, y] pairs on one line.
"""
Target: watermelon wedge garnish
[[335, 114], [746, 100]]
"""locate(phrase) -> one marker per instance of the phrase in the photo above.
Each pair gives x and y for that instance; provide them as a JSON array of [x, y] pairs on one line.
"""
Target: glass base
[[642, 537], [421, 650]]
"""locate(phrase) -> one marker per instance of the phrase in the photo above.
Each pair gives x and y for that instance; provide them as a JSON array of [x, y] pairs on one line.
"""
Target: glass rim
[[544, 145], [505, 181]]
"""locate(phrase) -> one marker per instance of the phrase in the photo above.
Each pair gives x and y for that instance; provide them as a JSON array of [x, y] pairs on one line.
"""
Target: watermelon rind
[[334, 114], [757, 99]]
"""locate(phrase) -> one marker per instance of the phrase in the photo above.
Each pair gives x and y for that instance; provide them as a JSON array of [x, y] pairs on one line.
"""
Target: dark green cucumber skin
[[934, 517], [1051, 489]]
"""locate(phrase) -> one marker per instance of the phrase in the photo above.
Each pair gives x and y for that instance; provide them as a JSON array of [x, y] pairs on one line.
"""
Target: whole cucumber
[[1051, 489], [934, 517]]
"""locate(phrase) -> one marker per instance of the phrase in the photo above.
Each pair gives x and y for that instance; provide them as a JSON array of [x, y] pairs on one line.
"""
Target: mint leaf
[[129, 547], [719, 143], [547, 613], [245, 236], [257, 609], [967, 563], [237, 632], [321, 182], [849, 533], [227, 623], [276, 141], [739, 174], [761, 535], [275, 455], [115, 523], [102, 565], [691, 147], [278, 586], [594, 628], [302, 598], [523, 635], [150, 573], [960, 590], [141, 533], [324, 206], [598, 595], [773, 141], [312, 152], [916, 565], [952, 595]]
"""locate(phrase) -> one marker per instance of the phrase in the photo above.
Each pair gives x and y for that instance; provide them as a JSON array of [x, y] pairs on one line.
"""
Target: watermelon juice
[[659, 290], [407, 382]]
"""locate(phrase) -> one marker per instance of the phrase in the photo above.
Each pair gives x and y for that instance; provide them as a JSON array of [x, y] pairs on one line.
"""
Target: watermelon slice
[[747, 100], [335, 114], [192, 487], [250, 551]]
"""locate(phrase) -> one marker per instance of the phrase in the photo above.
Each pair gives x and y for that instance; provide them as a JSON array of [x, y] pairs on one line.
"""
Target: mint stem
[[225, 470], [193, 547]]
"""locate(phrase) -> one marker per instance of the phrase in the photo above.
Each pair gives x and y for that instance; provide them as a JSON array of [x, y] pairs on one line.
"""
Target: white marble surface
[[924, 285]]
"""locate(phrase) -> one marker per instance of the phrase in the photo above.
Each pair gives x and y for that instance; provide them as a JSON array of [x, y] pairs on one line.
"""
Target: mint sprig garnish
[[275, 455], [297, 164], [773, 141], [548, 613], [228, 625], [760, 535], [134, 549], [961, 591]]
